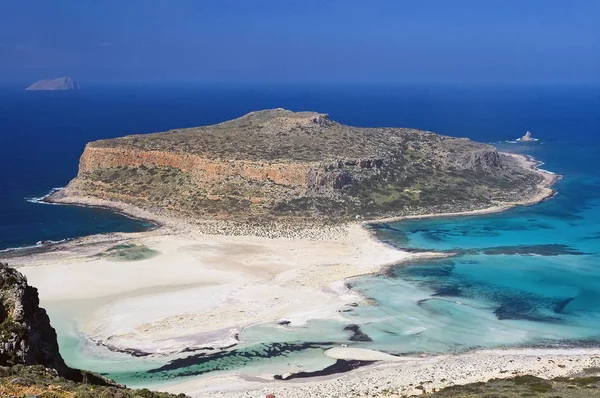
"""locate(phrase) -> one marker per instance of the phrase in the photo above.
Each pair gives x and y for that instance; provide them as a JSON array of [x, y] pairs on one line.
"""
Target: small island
[[297, 169], [65, 83]]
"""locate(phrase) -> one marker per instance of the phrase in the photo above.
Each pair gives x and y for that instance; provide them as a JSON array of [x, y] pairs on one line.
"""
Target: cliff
[[278, 164], [30, 360], [26, 336], [58, 84]]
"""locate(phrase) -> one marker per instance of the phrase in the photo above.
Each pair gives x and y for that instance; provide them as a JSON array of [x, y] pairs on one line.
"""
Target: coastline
[[545, 192], [406, 377], [313, 287], [174, 224]]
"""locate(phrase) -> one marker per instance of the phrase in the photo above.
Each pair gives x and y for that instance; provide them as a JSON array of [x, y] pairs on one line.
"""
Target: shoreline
[[167, 222], [340, 253], [545, 192], [403, 377]]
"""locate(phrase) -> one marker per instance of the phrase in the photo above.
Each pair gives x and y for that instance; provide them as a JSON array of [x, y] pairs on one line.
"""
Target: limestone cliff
[[26, 336], [30, 362], [298, 165], [25, 332]]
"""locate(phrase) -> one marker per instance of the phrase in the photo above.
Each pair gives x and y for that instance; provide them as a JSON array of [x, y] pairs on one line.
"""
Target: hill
[[299, 167]]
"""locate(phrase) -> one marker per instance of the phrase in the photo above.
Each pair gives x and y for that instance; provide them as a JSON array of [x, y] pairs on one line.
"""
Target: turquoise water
[[526, 277], [529, 276]]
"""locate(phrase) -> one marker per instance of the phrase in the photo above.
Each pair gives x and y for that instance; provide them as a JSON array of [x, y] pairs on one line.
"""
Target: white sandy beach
[[200, 289], [201, 284], [402, 377]]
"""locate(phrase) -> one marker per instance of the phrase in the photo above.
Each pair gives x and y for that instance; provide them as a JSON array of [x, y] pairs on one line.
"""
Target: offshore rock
[[527, 137]]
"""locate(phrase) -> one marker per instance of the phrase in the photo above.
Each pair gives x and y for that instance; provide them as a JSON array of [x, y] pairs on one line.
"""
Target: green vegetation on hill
[[30, 381], [527, 386], [282, 165]]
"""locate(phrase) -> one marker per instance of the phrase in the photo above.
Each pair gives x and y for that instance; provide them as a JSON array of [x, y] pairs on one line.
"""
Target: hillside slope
[[299, 166], [30, 361]]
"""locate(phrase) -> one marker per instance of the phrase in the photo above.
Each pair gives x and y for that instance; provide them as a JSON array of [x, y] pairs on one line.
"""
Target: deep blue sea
[[527, 276], [42, 134]]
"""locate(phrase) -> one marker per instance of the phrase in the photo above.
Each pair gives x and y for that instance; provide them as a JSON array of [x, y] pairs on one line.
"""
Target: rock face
[[527, 137], [26, 336], [58, 84], [278, 164], [25, 332]]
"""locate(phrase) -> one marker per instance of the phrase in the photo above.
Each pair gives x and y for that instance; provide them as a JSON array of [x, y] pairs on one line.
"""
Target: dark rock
[[26, 336], [357, 334], [22, 381]]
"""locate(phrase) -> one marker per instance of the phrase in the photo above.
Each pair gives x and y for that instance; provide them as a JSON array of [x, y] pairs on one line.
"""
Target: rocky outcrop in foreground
[[298, 166], [59, 84], [29, 354], [26, 336]]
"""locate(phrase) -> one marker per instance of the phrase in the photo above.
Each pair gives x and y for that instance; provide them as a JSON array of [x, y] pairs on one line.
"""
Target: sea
[[526, 277]]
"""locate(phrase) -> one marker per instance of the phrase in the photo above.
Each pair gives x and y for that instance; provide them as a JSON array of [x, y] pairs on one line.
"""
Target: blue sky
[[379, 41]]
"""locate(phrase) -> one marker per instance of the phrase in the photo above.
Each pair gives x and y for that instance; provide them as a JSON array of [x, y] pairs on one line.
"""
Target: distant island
[[298, 168], [65, 83]]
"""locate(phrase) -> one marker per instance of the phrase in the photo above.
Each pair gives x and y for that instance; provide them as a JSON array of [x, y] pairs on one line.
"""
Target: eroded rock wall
[[307, 176]]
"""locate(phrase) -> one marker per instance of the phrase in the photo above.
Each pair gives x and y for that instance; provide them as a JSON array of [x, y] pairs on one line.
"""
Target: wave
[[518, 141], [38, 244], [547, 171], [42, 199]]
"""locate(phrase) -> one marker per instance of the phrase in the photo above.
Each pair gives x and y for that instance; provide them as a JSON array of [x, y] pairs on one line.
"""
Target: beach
[[152, 305], [196, 287], [407, 377]]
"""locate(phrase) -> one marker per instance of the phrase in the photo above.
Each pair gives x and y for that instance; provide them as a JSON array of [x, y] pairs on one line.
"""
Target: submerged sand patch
[[128, 252]]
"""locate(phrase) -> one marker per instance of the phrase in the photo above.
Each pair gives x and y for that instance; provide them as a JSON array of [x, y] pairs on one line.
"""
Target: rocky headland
[[307, 183], [297, 169], [30, 361], [59, 84]]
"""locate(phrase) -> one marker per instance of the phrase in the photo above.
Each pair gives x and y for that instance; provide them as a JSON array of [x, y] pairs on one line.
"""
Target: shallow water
[[528, 276]]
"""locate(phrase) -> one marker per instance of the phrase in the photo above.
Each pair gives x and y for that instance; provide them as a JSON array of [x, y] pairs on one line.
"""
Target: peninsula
[[262, 223], [297, 169], [59, 84]]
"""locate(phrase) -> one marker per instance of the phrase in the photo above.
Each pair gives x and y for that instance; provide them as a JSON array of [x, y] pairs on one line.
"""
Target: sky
[[298, 41]]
